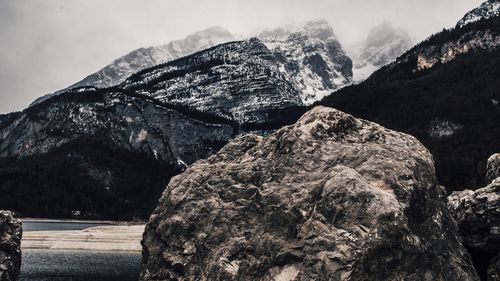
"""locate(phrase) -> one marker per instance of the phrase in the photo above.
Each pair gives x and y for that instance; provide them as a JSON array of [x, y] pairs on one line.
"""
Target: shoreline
[[99, 238], [111, 222]]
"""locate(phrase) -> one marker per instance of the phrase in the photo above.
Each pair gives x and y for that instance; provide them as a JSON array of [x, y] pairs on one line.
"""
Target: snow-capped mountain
[[383, 44], [121, 68], [316, 61], [320, 65], [242, 80], [488, 9]]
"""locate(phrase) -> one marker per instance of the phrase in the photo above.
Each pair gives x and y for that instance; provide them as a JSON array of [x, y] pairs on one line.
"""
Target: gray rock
[[331, 197], [493, 167], [478, 216], [10, 246], [494, 269]]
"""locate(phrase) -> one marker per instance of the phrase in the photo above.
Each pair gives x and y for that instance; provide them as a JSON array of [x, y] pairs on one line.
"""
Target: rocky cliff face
[[10, 246], [331, 197], [469, 42], [316, 61], [478, 216], [121, 68], [488, 9], [128, 122]]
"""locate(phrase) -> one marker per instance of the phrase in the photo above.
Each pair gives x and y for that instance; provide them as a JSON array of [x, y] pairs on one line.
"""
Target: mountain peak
[[384, 32], [320, 29], [215, 30], [383, 44], [488, 9]]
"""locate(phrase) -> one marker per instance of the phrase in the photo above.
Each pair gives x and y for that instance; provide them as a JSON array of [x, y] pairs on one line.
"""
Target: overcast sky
[[48, 45]]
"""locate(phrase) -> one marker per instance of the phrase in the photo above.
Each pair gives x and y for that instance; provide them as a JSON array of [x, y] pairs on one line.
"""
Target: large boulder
[[10, 246], [478, 216], [493, 167], [331, 197]]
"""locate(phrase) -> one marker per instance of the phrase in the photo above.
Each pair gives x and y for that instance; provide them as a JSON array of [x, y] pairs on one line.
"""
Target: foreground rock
[[478, 216], [10, 242], [329, 198]]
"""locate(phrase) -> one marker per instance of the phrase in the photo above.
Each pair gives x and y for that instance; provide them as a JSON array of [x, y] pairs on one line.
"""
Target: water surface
[[63, 265], [71, 265], [39, 225]]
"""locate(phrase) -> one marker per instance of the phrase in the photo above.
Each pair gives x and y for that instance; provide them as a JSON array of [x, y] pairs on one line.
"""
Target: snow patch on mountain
[[321, 64], [439, 128], [488, 9]]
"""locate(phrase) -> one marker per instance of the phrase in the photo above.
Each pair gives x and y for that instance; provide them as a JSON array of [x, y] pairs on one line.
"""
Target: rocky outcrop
[[478, 216], [331, 197], [469, 42], [493, 167], [10, 246]]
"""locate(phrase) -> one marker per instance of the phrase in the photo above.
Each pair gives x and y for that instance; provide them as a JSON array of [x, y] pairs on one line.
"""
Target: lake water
[[37, 225], [70, 265]]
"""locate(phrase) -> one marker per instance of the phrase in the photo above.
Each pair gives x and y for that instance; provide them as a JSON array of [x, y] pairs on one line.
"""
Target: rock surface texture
[[493, 167], [478, 216], [10, 246], [331, 197]]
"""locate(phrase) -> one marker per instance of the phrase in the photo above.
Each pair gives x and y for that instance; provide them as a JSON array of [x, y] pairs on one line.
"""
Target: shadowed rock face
[[10, 246], [478, 216], [493, 167], [331, 197]]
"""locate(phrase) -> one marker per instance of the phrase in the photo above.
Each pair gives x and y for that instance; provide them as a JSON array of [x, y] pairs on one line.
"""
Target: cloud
[[48, 45]]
